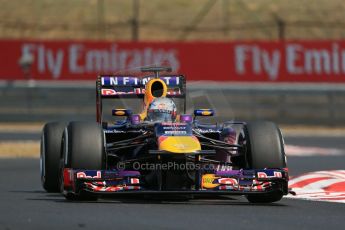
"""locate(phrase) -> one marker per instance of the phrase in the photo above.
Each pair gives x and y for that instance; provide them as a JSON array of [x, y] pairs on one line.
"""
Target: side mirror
[[121, 112], [204, 112]]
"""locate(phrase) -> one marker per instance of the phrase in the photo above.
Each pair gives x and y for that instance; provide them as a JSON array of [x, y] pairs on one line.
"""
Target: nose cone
[[179, 144]]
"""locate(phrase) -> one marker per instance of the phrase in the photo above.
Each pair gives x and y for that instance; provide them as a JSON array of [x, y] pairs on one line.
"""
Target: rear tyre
[[84, 149], [50, 155], [265, 149]]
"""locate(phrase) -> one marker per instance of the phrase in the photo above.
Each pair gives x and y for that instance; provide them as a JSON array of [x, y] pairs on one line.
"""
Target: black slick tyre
[[83, 149], [50, 155], [265, 149], [84, 146]]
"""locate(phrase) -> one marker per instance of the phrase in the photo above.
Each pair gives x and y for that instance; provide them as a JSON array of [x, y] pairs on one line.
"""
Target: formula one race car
[[161, 150]]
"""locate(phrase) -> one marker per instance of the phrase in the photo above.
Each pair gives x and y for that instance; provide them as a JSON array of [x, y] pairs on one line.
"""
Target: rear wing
[[120, 86], [129, 86]]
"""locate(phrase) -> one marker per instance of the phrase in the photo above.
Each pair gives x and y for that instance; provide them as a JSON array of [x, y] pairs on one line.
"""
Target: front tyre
[[83, 149], [265, 149], [265, 198], [84, 146]]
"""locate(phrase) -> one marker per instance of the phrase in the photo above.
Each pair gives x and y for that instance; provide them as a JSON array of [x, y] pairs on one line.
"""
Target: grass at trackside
[[19, 149], [165, 20], [22, 127]]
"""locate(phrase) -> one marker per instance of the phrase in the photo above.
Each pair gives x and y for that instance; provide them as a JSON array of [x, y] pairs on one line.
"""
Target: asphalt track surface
[[24, 204]]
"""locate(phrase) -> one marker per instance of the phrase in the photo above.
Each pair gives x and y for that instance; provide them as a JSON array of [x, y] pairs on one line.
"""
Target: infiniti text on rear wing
[[121, 86]]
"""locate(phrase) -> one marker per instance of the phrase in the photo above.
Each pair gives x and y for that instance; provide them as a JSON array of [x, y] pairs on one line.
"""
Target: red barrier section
[[293, 61]]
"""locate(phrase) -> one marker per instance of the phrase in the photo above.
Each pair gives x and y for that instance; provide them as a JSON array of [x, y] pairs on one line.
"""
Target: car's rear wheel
[[265, 149], [50, 155], [84, 149]]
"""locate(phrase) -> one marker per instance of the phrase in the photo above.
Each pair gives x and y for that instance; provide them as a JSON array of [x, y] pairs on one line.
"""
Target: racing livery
[[161, 150]]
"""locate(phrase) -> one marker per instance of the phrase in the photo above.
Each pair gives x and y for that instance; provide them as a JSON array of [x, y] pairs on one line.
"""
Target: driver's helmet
[[161, 109]]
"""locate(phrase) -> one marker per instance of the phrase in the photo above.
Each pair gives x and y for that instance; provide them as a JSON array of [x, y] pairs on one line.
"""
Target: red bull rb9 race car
[[161, 150]]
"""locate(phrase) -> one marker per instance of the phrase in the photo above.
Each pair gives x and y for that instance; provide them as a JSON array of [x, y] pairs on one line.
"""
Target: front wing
[[228, 182]]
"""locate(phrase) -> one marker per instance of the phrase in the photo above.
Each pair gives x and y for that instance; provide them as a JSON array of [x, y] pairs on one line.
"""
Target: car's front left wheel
[[83, 148]]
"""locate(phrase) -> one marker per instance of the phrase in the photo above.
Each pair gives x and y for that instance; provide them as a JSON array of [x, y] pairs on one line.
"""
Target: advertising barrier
[[267, 61]]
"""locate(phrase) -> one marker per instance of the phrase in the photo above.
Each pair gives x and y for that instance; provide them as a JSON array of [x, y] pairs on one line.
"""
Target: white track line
[[294, 150]]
